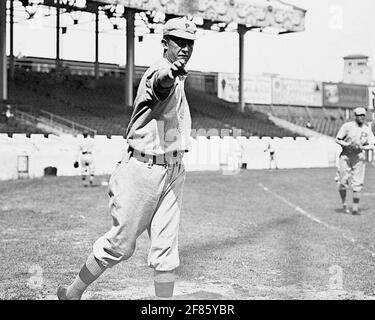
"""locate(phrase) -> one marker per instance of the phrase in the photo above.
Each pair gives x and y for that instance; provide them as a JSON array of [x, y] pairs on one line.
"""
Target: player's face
[[360, 119], [178, 48]]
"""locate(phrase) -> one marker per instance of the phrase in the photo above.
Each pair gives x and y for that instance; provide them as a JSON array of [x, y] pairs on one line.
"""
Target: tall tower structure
[[357, 70]]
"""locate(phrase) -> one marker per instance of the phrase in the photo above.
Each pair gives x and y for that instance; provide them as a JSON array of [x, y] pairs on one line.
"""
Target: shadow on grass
[[246, 237], [341, 210], [92, 186]]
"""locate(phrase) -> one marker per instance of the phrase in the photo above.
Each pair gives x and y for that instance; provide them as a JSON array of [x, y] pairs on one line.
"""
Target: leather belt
[[174, 157], [86, 152]]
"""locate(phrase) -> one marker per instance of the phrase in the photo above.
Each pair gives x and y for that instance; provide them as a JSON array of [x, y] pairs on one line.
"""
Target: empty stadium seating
[[73, 98], [323, 120], [226, 114], [15, 127], [98, 105]]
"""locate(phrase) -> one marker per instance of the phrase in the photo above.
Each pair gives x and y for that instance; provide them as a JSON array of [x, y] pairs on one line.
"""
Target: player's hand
[[75, 164], [178, 68]]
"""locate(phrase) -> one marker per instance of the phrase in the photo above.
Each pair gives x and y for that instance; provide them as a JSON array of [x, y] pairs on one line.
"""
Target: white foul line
[[311, 217]]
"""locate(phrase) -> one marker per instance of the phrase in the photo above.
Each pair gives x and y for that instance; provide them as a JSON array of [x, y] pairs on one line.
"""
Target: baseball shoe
[[356, 213], [61, 293], [345, 209]]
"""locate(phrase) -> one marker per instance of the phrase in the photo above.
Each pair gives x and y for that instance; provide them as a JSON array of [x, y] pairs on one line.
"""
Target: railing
[[57, 120], [28, 108], [298, 128], [25, 117], [56, 123]]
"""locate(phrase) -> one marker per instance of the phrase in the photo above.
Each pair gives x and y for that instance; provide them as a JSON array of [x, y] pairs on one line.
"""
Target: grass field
[[255, 235]]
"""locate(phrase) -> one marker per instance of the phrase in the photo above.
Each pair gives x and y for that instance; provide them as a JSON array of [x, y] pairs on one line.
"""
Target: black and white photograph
[[196, 151]]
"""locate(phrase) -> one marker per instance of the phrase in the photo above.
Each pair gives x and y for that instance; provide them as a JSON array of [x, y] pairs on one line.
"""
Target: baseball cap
[[360, 111], [181, 28]]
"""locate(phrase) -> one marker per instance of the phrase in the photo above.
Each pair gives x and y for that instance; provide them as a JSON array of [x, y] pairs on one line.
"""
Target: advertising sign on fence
[[345, 95], [297, 92], [257, 89]]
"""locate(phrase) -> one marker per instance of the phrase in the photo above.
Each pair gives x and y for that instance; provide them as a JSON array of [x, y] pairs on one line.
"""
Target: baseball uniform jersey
[[166, 126]]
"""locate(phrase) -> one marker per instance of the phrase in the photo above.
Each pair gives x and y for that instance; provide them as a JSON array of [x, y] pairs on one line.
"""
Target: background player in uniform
[[271, 150], [354, 137], [146, 187], [86, 159]]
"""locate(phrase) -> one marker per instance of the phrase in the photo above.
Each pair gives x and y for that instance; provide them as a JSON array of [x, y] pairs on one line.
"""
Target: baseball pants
[[143, 197], [352, 172]]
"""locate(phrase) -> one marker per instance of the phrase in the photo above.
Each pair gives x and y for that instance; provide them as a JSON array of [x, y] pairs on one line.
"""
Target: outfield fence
[[206, 153]]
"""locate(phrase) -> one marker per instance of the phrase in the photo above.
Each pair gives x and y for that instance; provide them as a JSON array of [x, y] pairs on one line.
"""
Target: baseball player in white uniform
[[354, 137], [272, 161], [145, 189], [86, 160]]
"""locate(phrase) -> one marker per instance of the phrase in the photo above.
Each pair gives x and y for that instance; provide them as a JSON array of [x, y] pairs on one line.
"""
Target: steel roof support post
[[241, 103], [57, 37], [11, 37], [3, 57], [97, 43], [129, 76]]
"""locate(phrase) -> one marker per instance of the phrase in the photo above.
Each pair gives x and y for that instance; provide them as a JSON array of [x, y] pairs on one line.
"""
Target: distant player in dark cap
[[354, 137]]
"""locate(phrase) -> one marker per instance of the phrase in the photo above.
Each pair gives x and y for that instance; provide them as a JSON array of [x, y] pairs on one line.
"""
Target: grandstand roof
[[274, 16], [251, 13]]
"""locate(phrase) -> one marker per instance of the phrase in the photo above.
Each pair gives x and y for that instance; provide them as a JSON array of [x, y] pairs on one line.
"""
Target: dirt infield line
[[313, 218]]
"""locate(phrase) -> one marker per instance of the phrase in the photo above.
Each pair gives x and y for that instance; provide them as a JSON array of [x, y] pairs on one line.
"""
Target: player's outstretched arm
[[167, 76]]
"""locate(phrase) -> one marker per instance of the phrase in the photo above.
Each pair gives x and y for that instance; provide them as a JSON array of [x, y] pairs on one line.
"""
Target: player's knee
[[116, 254], [127, 250], [123, 249]]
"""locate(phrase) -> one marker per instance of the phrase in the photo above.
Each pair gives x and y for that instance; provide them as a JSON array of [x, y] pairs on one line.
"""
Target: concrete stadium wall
[[212, 153]]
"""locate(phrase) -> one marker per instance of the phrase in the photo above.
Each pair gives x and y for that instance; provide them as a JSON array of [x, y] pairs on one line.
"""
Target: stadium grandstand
[[78, 100], [326, 121]]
